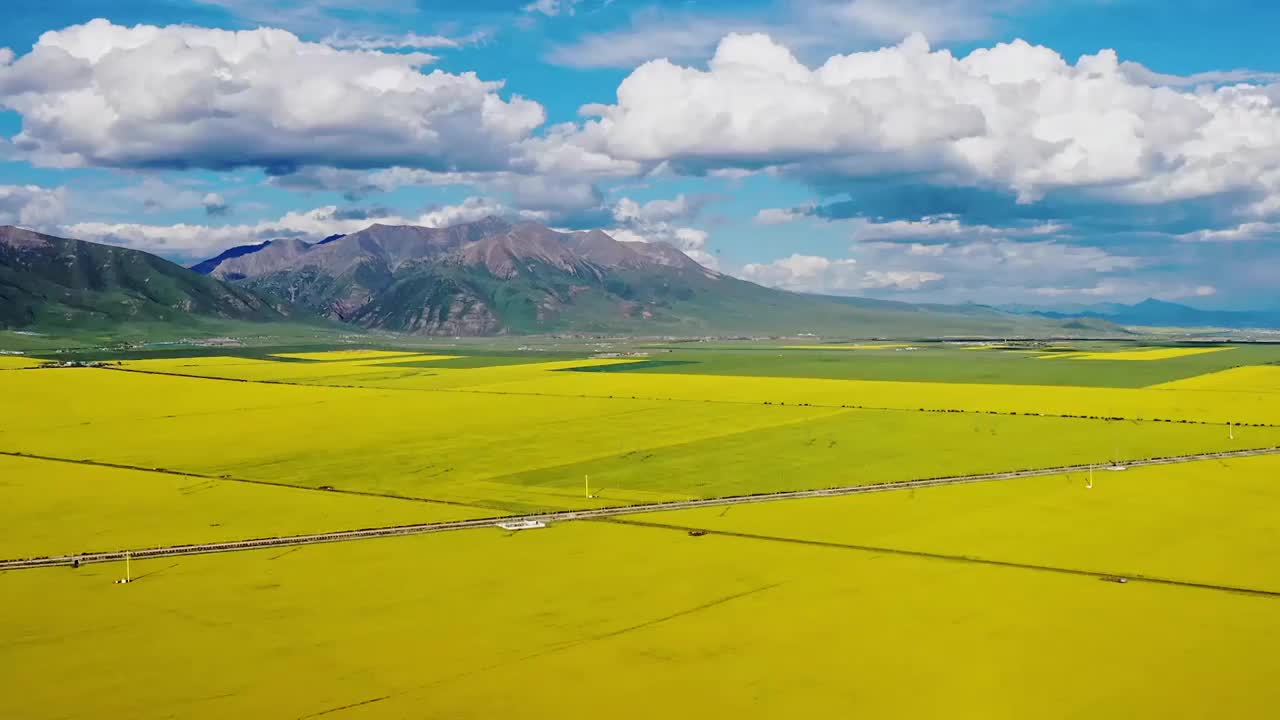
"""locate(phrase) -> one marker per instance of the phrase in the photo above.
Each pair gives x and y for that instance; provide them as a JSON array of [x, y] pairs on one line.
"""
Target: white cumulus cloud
[[469, 210], [807, 273], [551, 8], [899, 279], [1014, 117], [990, 270], [941, 228], [657, 211], [215, 204], [1125, 290], [31, 206], [1244, 232], [778, 216], [406, 41], [101, 94], [836, 276], [656, 221]]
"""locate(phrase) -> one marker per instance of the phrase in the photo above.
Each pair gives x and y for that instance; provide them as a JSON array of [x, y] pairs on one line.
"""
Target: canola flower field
[[1250, 379], [525, 438], [1001, 597], [1148, 354], [788, 614], [15, 362], [340, 355], [56, 507]]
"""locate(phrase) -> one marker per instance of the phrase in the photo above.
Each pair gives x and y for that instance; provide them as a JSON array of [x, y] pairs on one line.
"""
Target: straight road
[[566, 515]]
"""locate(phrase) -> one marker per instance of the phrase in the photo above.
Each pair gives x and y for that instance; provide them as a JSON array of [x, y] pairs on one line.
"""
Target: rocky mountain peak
[[17, 237]]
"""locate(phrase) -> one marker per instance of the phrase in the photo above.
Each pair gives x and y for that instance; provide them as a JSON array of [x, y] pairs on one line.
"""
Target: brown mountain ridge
[[494, 276]]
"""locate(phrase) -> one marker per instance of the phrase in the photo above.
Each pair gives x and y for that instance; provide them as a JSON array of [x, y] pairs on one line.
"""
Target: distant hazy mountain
[[51, 281], [1158, 313], [492, 276]]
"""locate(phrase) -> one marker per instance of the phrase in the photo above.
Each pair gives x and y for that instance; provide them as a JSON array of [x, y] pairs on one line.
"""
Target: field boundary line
[[590, 514], [974, 559]]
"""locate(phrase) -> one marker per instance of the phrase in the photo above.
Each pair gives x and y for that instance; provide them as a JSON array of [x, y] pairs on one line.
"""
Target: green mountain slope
[[47, 281]]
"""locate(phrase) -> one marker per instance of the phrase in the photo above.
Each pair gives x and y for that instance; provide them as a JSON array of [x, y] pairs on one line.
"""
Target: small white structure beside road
[[522, 525]]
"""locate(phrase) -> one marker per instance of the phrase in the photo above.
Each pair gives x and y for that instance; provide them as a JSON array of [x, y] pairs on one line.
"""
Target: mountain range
[[478, 278], [53, 282], [492, 276], [1159, 313]]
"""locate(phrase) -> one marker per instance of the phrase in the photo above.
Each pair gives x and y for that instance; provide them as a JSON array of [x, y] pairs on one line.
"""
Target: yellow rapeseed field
[[858, 447], [478, 441], [1250, 379], [276, 371], [191, 363], [789, 618], [346, 354], [1144, 403], [422, 444], [14, 362], [377, 372], [104, 403], [998, 599], [1210, 522], [59, 507]]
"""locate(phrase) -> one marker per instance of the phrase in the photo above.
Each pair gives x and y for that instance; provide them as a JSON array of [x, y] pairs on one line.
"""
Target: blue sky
[[996, 151]]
